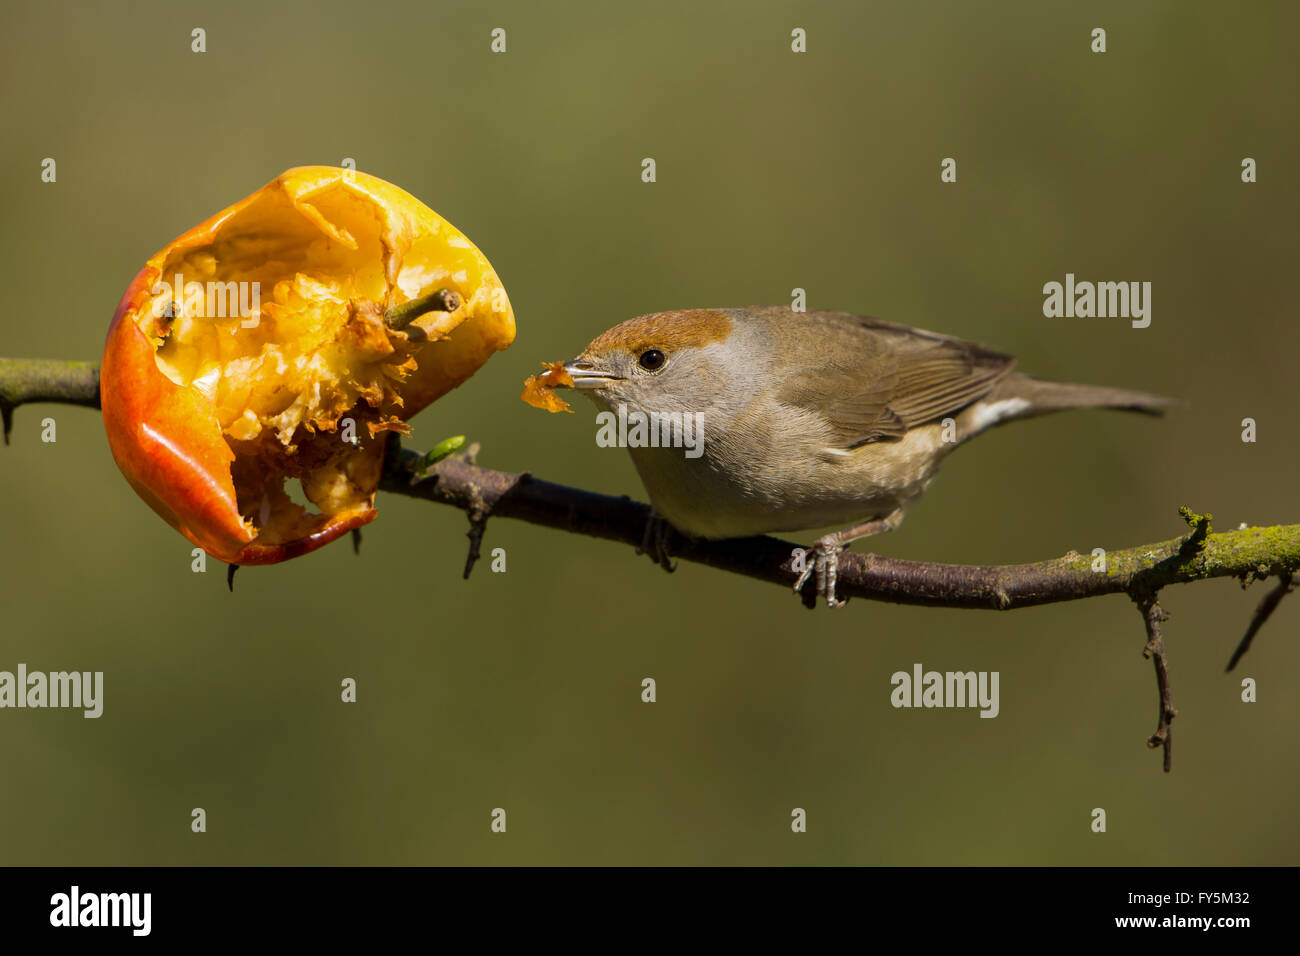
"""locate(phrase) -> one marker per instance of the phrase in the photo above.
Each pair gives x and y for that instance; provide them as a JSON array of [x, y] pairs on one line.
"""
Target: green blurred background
[[775, 170]]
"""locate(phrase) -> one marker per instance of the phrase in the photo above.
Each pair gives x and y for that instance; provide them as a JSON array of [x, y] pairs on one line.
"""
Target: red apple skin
[[166, 441]]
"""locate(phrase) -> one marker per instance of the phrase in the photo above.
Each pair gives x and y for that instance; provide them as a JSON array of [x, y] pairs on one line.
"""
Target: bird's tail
[[1025, 397]]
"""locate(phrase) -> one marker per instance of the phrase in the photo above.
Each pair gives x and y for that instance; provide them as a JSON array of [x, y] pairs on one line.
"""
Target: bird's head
[[665, 362]]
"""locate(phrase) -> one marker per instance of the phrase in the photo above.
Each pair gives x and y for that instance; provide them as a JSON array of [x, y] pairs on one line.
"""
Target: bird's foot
[[825, 556], [823, 561], [655, 542]]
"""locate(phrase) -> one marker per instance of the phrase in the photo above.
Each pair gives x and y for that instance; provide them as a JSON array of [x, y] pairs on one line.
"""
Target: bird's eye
[[652, 360]]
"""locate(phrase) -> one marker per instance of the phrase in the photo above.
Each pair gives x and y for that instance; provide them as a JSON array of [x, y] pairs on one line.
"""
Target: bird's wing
[[880, 379]]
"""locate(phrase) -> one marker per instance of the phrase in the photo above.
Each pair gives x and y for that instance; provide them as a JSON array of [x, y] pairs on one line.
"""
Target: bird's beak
[[586, 375]]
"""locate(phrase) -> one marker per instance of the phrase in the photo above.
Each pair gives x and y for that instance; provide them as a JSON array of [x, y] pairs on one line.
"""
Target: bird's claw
[[823, 560], [655, 542]]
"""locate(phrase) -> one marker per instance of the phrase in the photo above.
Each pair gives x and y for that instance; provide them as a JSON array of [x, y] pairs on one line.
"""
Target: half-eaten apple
[[281, 341]]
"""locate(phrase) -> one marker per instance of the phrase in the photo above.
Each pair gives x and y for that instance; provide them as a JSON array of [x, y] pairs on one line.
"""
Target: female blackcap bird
[[809, 419]]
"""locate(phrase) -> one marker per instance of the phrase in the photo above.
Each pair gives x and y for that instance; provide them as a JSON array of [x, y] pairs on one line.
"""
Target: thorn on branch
[[477, 525], [478, 504], [1152, 616], [6, 418], [1286, 584], [230, 577], [356, 541]]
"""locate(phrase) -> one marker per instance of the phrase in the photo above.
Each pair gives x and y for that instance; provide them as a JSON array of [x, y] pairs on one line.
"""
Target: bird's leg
[[655, 542], [825, 557]]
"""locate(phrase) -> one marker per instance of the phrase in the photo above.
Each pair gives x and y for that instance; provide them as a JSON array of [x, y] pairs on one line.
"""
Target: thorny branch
[[1141, 572]]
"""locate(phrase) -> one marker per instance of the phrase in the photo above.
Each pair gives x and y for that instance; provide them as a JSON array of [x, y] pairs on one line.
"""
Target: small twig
[[476, 500], [477, 509], [1200, 525], [1286, 584], [1152, 615], [45, 380], [400, 316]]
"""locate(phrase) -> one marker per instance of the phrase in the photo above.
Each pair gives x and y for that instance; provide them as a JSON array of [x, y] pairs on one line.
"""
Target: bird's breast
[[739, 486]]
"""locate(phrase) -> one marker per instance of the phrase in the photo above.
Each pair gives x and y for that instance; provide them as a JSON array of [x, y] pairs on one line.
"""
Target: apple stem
[[400, 316]]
